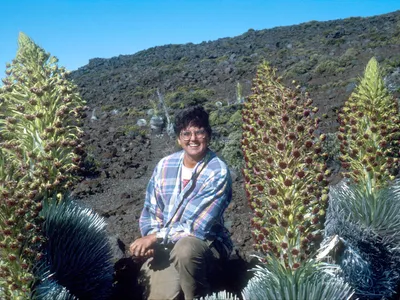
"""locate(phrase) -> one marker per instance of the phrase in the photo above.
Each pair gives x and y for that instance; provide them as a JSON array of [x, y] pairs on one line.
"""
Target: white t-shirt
[[186, 175]]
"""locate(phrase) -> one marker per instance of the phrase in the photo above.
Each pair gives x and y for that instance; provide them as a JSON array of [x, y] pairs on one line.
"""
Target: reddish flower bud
[[272, 220], [7, 231], [39, 256], [308, 144], [12, 257], [14, 245], [370, 149], [345, 165], [280, 146], [28, 226], [292, 136], [288, 182], [284, 223], [29, 117], [20, 237], [296, 153], [269, 175], [259, 214], [318, 150], [282, 165], [310, 237], [265, 231], [296, 265], [300, 174], [274, 205]]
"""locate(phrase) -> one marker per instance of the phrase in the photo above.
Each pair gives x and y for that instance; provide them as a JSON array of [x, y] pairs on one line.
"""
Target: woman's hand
[[143, 247]]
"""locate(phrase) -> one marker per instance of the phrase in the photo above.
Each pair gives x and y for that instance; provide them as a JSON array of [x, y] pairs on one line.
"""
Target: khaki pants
[[183, 269]]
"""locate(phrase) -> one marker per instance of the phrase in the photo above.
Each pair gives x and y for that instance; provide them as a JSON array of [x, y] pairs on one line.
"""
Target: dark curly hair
[[192, 116]]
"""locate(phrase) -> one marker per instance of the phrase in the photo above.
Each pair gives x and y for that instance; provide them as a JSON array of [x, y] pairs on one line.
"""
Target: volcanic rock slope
[[326, 58]]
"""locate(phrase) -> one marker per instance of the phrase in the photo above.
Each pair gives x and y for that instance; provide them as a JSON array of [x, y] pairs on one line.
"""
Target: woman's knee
[[189, 247]]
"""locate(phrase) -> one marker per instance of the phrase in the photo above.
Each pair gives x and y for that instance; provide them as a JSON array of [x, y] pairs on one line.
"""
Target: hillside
[[325, 57]]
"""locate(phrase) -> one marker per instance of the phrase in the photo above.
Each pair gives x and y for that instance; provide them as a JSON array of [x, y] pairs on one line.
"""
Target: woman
[[182, 219]]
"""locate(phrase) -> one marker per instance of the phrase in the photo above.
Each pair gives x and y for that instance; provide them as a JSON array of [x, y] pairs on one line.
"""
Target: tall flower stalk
[[369, 131], [285, 175], [41, 151], [286, 185]]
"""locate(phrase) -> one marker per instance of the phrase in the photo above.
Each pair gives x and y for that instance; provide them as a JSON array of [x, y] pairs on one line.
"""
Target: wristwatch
[[160, 237]]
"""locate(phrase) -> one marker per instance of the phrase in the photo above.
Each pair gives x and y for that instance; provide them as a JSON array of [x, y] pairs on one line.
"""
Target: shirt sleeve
[[151, 218]]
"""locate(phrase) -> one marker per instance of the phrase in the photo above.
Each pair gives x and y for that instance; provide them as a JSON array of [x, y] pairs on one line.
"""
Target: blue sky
[[78, 30]]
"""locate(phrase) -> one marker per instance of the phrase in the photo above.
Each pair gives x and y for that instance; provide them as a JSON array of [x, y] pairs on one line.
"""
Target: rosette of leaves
[[77, 255], [51, 290], [369, 131], [285, 177], [369, 228], [220, 296], [313, 281], [40, 150]]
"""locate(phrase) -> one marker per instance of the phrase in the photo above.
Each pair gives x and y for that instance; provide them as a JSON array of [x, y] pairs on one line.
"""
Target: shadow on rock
[[232, 275], [126, 280]]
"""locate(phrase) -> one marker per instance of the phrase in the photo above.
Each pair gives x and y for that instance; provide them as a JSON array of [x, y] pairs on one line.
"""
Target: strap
[[187, 193]]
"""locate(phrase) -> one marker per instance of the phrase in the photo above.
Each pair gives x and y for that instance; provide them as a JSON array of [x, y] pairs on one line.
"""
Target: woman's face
[[194, 141]]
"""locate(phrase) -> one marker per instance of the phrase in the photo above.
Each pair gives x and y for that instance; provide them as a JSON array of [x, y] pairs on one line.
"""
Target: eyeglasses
[[186, 135]]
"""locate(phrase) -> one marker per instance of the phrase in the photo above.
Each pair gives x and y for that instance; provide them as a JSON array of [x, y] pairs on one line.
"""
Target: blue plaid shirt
[[201, 213]]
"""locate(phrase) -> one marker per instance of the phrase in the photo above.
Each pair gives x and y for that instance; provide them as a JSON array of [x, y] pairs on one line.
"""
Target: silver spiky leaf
[[77, 252], [223, 295], [368, 226], [311, 281]]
